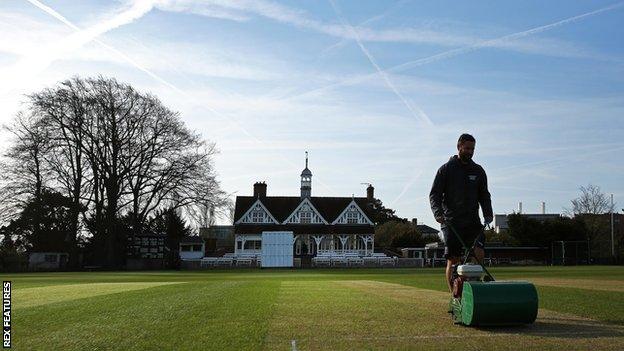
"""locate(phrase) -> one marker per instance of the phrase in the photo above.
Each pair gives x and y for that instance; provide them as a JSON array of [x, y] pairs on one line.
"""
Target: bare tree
[[114, 151], [591, 205], [591, 201], [25, 167], [63, 111], [25, 172]]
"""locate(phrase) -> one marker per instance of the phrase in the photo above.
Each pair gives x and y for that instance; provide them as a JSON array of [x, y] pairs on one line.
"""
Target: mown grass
[[318, 309]]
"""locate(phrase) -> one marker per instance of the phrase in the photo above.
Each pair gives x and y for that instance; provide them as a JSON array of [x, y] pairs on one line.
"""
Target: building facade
[[320, 225], [501, 220]]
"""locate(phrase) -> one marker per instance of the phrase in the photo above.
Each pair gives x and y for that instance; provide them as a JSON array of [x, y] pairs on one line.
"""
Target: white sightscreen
[[277, 249]]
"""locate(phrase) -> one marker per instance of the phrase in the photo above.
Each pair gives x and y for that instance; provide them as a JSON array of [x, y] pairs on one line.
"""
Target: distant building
[[319, 225], [47, 261], [192, 248], [501, 220], [433, 254], [146, 251], [426, 231], [218, 237]]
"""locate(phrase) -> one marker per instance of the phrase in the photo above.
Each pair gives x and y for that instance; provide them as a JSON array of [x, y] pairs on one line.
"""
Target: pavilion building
[[318, 225]]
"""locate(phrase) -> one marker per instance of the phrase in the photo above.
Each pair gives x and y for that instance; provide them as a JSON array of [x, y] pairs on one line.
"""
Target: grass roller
[[479, 300]]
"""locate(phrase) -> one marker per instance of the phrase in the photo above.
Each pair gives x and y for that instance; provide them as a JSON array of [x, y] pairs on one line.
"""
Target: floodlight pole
[[612, 240]]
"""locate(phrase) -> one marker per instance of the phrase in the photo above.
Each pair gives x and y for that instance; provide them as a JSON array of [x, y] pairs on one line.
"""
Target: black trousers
[[468, 234]]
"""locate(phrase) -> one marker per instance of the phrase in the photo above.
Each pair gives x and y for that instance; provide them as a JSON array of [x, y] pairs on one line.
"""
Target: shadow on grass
[[562, 327]]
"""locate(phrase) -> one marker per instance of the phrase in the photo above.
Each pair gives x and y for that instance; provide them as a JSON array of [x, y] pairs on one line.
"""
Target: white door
[[277, 249]]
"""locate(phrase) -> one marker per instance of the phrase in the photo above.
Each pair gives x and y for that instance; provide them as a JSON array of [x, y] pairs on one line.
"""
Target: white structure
[[192, 248], [277, 249]]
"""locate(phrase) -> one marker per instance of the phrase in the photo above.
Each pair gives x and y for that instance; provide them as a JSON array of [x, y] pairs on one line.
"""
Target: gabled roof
[[282, 206], [342, 213], [425, 229], [305, 201], [248, 209]]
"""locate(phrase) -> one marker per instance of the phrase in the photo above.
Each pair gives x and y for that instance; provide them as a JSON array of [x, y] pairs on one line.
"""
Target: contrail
[[416, 112], [63, 19], [431, 143], [370, 20], [564, 158], [28, 67], [455, 52], [139, 9], [493, 42]]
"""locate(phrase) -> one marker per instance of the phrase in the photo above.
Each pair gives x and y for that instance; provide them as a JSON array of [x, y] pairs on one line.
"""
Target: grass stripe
[[217, 316], [57, 293]]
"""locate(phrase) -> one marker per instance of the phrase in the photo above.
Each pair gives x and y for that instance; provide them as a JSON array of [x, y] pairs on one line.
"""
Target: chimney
[[370, 193], [543, 207], [520, 207], [260, 189], [414, 221]]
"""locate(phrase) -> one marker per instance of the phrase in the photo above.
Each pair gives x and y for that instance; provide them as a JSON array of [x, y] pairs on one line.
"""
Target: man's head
[[465, 147]]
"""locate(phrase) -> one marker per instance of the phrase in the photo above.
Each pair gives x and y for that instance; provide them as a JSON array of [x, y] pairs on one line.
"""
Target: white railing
[[329, 252]]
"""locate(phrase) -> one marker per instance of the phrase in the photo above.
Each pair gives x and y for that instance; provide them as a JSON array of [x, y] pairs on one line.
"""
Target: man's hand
[[440, 220]]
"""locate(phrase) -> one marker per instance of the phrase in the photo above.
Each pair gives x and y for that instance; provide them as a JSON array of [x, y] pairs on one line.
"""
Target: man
[[460, 186]]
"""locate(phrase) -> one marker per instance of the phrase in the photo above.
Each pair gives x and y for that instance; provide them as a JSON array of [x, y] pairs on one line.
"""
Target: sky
[[376, 91]]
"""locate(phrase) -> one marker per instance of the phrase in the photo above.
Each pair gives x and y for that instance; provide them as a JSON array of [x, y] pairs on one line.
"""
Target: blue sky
[[376, 91]]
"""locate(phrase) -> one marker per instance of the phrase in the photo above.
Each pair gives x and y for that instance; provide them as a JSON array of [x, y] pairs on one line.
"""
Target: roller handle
[[470, 251]]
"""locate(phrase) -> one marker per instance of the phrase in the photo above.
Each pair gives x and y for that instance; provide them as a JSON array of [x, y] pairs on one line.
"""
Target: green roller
[[478, 300], [498, 303]]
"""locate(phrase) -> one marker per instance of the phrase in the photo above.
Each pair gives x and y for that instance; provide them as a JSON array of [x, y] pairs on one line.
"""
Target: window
[[197, 247], [305, 217], [256, 216], [253, 245], [298, 247], [352, 217], [50, 258], [186, 247]]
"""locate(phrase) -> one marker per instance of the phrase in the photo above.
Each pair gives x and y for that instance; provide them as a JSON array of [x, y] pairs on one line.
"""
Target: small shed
[[192, 248]]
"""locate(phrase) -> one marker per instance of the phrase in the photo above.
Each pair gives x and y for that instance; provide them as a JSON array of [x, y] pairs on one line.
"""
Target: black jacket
[[457, 192]]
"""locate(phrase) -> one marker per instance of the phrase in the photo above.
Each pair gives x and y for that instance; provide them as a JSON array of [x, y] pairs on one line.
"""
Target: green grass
[[318, 309]]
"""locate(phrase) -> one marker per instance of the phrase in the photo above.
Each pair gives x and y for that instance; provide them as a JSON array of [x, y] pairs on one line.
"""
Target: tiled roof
[[425, 229], [304, 228], [281, 207]]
